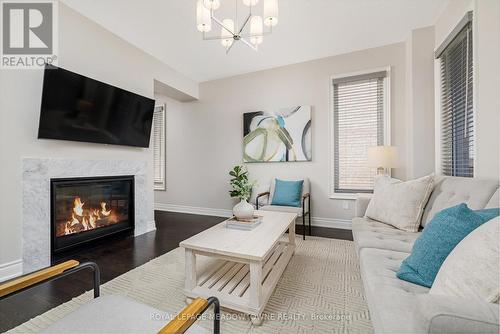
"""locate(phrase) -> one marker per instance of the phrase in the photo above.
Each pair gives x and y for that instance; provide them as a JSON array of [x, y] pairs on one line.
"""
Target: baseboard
[[10, 270], [193, 210], [344, 224], [315, 221]]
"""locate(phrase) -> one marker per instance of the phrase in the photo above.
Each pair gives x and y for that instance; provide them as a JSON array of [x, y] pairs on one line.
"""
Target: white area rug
[[320, 292]]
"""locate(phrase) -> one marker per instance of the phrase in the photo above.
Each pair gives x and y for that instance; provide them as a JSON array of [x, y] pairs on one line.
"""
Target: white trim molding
[[344, 224], [11, 269], [193, 210]]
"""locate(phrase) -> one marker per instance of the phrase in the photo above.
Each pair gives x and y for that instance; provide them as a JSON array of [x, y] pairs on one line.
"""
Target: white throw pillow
[[472, 270], [399, 203]]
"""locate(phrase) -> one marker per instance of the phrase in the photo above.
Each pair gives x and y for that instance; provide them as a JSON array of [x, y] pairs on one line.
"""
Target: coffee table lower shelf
[[239, 284]]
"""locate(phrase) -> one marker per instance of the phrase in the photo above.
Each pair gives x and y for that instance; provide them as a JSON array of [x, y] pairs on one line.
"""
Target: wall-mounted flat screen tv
[[78, 108]]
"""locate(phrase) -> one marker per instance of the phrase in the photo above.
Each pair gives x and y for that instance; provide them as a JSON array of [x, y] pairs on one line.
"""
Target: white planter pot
[[243, 210]]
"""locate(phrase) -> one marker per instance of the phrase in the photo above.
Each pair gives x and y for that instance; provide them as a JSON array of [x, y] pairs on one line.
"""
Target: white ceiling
[[307, 29]]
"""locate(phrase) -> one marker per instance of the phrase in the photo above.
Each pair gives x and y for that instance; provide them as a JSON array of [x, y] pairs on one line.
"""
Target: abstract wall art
[[279, 136]]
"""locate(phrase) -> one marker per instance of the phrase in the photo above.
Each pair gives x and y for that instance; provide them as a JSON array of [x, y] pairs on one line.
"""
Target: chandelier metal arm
[[229, 48], [245, 23], [249, 44], [219, 23], [264, 33], [212, 38]]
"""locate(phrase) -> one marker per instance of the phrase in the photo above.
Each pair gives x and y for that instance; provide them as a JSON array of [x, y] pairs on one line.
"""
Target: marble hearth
[[37, 174]]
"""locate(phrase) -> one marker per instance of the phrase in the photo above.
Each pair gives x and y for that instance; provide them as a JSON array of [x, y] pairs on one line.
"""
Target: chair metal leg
[[309, 222], [303, 227], [309, 212]]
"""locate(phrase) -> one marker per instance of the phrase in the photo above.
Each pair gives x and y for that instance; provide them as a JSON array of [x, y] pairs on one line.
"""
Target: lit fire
[[88, 219]]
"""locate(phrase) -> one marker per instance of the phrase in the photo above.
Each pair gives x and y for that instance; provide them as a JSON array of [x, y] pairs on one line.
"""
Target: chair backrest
[[306, 187]]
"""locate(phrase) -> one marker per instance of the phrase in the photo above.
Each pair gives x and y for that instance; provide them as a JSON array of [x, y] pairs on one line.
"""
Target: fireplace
[[90, 208]]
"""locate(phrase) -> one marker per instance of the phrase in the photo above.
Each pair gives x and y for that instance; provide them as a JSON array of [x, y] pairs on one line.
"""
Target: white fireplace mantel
[[36, 199]]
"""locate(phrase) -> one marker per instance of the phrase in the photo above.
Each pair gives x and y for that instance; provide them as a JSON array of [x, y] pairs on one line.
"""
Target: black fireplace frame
[[73, 241]]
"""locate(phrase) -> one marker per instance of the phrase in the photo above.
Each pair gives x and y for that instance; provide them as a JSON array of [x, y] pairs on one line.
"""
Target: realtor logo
[[28, 33]]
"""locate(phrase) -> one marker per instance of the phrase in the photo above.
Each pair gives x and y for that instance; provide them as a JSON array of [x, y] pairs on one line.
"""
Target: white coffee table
[[249, 263]]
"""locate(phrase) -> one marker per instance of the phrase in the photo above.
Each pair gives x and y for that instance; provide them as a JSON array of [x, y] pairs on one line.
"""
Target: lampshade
[[270, 12], [229, 24], [211, 4], [203, 20], [256, 28], [250, 2], [382, 156]]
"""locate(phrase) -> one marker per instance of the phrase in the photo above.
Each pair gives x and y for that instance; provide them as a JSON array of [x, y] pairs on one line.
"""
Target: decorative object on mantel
[[241, 189], [277, 136], [231, 30], [383, 158]]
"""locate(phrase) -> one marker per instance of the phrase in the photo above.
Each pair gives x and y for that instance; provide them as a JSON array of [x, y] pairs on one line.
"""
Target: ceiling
[[307, 29]]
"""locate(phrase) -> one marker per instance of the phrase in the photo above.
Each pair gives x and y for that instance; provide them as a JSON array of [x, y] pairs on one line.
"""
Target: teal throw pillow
[[440, 236], [287, 193]]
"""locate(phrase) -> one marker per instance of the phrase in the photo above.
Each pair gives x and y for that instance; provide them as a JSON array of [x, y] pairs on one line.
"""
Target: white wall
[[205, 137], [486, 60], [420, 102], [487, 43], [86, 48]]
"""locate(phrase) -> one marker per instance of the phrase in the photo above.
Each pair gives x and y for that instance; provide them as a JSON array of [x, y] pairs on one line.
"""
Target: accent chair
[[264, 201]]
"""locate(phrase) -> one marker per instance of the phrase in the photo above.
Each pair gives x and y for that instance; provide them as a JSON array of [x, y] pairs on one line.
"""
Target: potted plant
[[241, 189]]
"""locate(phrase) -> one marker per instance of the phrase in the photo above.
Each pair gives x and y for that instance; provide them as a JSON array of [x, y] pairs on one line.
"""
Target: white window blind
[[358, 123], [159, 145], [457, 116]]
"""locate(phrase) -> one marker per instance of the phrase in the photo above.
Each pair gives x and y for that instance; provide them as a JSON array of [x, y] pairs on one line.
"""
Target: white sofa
[[397, 306]]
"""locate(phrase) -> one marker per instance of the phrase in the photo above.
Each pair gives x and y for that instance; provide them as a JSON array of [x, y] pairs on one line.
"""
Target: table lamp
[[383, 158]]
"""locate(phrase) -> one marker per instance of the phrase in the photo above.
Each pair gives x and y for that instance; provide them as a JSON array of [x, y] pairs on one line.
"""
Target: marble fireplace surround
[[36, 199]]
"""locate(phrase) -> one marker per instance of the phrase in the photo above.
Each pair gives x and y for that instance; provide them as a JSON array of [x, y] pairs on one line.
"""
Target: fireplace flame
[[78, 206], [88, 219], [103, 209]]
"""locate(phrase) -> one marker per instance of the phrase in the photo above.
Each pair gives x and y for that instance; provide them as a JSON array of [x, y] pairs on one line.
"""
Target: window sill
[[350, 196], [344, 196]]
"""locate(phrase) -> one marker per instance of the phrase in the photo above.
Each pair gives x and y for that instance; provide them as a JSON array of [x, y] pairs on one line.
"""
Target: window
[[360, 120], [457, 116], [159, 145]]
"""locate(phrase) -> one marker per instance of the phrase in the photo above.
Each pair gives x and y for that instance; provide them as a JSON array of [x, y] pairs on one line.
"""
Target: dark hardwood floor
[[114, 258]]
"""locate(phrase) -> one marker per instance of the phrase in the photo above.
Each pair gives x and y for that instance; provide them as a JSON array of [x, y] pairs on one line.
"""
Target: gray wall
[[87, 48], [205, 137]]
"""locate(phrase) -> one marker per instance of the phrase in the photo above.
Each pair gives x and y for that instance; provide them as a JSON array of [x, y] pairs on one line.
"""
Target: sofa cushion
[[399, 203], [114, 314], [450, 191], [438, 239], [391, 301], [446, 314], [471, 270], [369, 233]]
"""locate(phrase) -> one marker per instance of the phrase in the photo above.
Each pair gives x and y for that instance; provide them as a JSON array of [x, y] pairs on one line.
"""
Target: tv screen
[[78, 108]]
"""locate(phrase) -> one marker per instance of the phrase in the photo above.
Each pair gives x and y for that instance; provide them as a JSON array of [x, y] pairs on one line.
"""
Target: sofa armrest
[[361, 203], [447, 314]]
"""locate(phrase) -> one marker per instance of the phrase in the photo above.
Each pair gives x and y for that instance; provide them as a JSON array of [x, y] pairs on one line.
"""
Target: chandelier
[[230, 30]]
